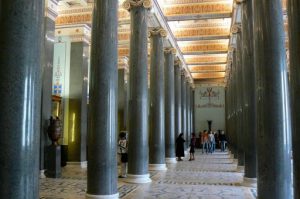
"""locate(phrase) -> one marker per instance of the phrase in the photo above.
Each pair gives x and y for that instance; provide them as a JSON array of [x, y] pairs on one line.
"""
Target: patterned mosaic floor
[[213, 176]]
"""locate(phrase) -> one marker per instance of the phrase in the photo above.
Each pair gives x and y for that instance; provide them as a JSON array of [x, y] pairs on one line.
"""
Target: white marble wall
[[209, 108]]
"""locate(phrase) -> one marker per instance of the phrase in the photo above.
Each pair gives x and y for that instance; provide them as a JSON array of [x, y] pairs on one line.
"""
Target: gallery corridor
[[213, 176]]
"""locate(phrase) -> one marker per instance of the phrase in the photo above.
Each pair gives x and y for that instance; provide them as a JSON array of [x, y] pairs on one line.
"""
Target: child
[[124, 157]]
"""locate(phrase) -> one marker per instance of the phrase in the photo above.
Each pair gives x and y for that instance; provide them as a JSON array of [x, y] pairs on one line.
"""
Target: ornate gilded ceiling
[[200, 30]]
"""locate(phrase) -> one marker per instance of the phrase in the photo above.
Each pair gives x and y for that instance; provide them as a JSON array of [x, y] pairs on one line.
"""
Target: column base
[[250, 182], [171, 160], [187, 152], [81, 164], [157, 167], [138, 179], [42, 174], [114, 196], [240, 168]]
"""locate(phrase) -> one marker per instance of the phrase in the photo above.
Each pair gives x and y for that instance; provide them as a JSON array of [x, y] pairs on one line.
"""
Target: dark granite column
[[102, 126], [183, 107], [227, 110], [138, 146], [178, 123], [249, 104], [192, 110], [21, 39], [231, 97], [234, 106], [294, 43], [274, 165], [239, 94], [122, 99], [77, 113], [157, 102], [169, 72], [188, 114], [47, 75]]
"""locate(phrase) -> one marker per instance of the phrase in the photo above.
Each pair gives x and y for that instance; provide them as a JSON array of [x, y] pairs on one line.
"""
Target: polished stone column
[[294, 44], [249, 103], [47, 75], [138, 146], [274, 164], [188, 114], [122, 99], [102, 126], [183, 107], [170, 105], [21, 37], [157, 102], [193, 110], [234, 106], [178, 122], [239, 94]]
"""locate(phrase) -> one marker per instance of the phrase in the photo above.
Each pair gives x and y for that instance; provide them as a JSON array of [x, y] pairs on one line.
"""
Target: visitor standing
[[124, 155], [180, 147], [204, 141], [223, 141], [212, 142], [192, 147]]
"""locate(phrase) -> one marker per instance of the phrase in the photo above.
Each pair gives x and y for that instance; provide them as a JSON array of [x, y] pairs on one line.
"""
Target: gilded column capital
[[170, 50], [128, 4], [236, 28], [183, 72], [158, 31], [231, 48], [177, 63]]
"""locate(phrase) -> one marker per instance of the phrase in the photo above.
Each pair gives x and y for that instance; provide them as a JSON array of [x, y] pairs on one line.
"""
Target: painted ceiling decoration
[[201, 31]]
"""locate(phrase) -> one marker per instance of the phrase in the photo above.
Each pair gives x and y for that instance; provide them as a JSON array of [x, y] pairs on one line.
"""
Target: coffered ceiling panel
[[202, 30]]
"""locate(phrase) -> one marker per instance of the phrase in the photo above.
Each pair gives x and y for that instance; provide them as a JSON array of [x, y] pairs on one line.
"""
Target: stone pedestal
[[53, 162], [250, 182]]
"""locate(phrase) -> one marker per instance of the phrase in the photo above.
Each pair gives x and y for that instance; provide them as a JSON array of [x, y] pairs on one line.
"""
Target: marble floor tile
[[210, 176]]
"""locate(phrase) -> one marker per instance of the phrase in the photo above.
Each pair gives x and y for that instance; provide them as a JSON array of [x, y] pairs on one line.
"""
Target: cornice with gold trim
[[51, 9]]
